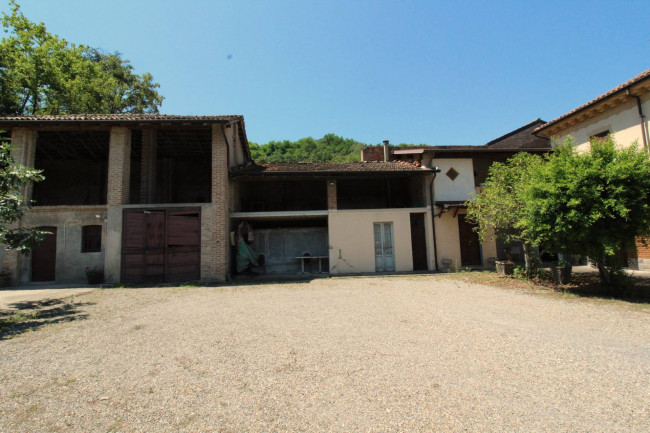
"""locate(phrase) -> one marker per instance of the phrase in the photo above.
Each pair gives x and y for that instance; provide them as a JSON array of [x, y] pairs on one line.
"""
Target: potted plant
[[94, 275], [561, 272], [5, 278], [505, 267]]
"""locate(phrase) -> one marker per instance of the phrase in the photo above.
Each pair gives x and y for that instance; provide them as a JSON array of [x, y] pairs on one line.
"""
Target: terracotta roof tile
[[124, 117], [641, 76], [321, 167]]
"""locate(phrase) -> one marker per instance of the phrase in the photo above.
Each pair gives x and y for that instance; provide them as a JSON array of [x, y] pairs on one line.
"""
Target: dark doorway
[[44, 257], [470, 247], [418, 242], [161, 245]]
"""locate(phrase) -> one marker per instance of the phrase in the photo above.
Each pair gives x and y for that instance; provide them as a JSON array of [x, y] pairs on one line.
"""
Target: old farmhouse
[[162, 198]]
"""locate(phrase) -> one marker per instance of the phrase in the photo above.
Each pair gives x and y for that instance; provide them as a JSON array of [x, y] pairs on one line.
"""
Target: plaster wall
[[622, 121], [448, 242], [459, 189], [352, 244], [70, 261]]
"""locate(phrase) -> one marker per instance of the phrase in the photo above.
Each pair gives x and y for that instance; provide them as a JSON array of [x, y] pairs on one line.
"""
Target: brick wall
[[372, 153], [215, 222], [148, 166], [119, 166], [331, 194]]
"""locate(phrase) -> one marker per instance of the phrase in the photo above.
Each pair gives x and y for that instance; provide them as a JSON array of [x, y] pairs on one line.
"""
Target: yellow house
[[622, 112]]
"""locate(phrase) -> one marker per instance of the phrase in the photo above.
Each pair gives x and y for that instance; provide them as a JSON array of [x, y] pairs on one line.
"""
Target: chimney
[[386, 152]]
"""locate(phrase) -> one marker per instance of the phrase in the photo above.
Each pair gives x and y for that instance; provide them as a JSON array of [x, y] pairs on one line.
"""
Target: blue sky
[[421, 72]]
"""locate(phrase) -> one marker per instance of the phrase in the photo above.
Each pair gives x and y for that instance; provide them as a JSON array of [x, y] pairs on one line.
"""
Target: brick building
[[143, 197]]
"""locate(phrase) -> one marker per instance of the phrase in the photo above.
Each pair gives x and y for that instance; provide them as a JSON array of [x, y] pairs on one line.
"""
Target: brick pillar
[[23, 149], [119, 166], [331, 194], [215, 242], [148, 166]]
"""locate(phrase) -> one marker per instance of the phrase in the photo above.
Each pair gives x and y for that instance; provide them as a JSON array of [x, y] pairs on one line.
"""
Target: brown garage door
[[161, 245]]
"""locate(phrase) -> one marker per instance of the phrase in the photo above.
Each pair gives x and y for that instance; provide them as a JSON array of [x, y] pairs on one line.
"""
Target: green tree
[[499, 210], [594, 202], [41, 73], [329, 148], [13, 204]]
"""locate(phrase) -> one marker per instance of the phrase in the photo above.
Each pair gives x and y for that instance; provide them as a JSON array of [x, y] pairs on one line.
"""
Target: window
[[600, 136], [91, 239]]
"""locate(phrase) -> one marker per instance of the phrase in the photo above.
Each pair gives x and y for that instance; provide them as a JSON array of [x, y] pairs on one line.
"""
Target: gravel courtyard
[[376, 354]]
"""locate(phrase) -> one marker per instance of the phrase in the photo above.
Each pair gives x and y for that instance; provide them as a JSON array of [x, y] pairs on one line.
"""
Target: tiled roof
[[521, 138], [321, 167], [641, 76], [124, 117]]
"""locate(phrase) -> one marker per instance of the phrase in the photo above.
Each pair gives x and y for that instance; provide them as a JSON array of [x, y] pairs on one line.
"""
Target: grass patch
[[636, 291]]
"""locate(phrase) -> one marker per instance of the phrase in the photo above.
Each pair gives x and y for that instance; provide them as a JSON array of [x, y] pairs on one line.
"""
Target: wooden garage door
[[161, 245]]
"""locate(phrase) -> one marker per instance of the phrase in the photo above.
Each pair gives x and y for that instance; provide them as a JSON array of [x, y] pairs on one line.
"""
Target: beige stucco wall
[[459, 189], [448, 241], [623, 121], [351, 239], [68, 220]]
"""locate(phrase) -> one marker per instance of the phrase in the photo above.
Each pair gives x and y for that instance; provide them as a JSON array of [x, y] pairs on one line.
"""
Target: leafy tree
[[329, 148], [13, 204], [41, 73], [499, 210], [595, 202]]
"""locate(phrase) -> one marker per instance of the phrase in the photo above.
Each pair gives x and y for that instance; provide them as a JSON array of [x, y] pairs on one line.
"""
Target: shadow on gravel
[[30, 316]]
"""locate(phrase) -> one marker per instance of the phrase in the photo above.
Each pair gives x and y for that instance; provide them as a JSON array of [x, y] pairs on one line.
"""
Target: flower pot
[[95, 278], [561, 274], [505, 267]]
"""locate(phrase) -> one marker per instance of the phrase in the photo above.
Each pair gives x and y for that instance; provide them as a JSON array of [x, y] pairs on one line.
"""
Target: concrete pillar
[[215, 217], [119, 166], [148, 166], [331, 194]]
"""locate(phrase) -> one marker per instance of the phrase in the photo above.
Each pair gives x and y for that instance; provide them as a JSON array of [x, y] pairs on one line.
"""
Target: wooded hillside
[[330, 148]]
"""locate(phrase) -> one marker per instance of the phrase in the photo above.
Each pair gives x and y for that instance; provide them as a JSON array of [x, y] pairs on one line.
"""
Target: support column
[[148, 166], [119, 174], [119, 166], [331, 194], [23, 150], [215, 218]]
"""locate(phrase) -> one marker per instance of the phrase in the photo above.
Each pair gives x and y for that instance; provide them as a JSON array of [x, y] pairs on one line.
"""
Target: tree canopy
[[41, 73], [595, 202], [329, 148], [499, 210]]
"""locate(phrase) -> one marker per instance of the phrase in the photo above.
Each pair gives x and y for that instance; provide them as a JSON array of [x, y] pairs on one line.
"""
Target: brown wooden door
[[470, 247], [161, 246], [44, 257], [183, 246], [418, 242]]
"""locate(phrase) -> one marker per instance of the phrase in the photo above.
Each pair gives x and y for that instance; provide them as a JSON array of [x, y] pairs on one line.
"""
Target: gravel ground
[[377, 354]]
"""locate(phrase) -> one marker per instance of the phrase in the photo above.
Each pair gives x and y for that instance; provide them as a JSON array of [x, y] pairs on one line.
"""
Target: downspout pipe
[[644, 132], [436, 170]]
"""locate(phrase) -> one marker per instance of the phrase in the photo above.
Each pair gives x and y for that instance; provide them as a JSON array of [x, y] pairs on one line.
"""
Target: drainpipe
[[436, 170], [643, 128], [386, 151]]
